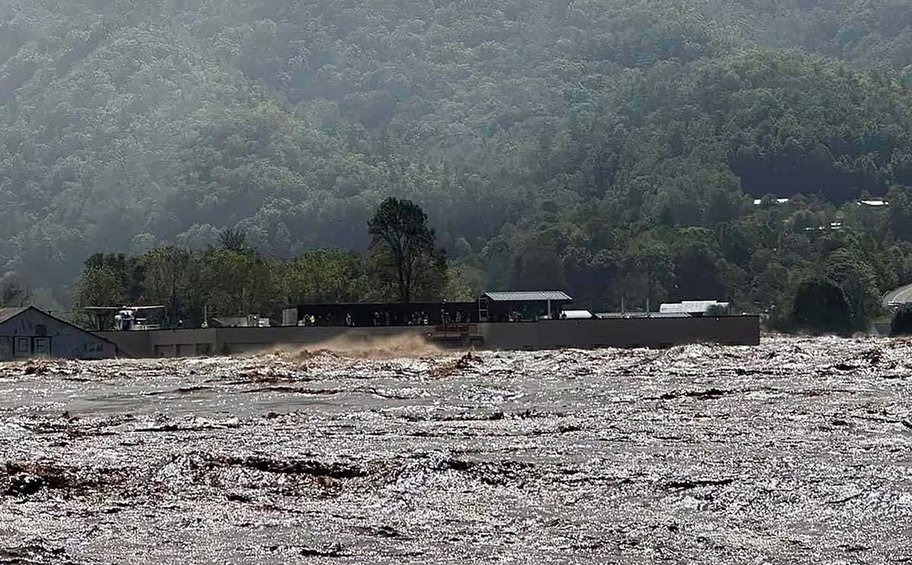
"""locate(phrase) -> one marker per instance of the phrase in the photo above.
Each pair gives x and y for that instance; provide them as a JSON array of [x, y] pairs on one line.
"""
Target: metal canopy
[[528, 296]]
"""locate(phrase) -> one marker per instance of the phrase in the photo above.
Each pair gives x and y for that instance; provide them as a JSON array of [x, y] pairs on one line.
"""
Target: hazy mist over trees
[[612, 148]]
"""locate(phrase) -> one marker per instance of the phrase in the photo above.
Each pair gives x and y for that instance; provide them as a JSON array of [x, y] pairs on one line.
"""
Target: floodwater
[[797, 451]]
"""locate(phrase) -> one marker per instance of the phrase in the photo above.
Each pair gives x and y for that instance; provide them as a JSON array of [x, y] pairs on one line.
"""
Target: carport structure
[[525, 305]]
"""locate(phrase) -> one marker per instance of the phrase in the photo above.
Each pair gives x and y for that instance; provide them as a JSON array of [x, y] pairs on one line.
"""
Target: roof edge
[[25, 309]]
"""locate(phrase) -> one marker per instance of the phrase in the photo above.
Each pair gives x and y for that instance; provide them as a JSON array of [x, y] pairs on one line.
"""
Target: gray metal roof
[[7, 313], [529, 296]]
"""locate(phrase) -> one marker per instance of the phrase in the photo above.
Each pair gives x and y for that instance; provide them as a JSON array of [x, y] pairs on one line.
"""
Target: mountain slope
[[130, 124]]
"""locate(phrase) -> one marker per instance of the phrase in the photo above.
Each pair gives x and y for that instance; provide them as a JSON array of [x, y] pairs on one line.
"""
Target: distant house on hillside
[[29, 332]]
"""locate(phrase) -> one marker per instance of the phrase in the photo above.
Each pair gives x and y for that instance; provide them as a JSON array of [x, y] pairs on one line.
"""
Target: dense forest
[[403, 264], [612, 148]]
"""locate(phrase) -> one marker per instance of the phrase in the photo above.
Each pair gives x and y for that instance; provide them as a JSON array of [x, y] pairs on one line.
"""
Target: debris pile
[[797, 451]]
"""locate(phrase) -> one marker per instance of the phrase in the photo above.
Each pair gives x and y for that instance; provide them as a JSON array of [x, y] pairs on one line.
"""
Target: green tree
[[323, 276], [100, 286], [13, 291], [653, 259], [698, 270], [166, 280], [233, 239], [127, 270], [236, 283], [288, 119], [856, 279], [463, 283], [820, 306], [402, 243], [536, 262]]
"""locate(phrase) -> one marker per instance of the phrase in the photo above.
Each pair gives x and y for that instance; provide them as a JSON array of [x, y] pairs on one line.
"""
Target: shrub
[[821, 307]]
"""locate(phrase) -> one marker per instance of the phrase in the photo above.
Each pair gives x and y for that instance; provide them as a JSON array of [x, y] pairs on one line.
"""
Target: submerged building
[[28, 332], [527, 320]]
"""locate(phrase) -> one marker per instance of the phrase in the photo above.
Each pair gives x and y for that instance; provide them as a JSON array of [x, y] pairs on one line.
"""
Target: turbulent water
[[797, 451]]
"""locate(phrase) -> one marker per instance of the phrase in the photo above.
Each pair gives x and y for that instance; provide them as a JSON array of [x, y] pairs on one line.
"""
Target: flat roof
[[529, 296]]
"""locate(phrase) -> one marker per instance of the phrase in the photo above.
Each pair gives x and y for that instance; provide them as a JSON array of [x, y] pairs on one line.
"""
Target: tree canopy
[[613, 148], [821, 306], [400, 232]]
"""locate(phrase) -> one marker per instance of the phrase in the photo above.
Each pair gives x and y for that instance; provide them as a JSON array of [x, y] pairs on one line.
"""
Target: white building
[[694, 308]]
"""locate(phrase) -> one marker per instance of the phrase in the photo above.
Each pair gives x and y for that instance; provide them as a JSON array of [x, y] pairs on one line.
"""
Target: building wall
[[55, 339], [633, 332], [546, 334], [191, 342], [132, 344]]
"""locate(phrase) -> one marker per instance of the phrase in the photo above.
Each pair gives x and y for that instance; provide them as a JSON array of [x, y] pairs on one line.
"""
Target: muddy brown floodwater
[[797, 451]]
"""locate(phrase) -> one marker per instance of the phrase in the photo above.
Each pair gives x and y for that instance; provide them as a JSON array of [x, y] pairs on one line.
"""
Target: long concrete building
[[654, 332]]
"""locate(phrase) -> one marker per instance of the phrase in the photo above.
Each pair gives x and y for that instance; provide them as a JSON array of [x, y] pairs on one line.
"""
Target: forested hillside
[[609, 147]]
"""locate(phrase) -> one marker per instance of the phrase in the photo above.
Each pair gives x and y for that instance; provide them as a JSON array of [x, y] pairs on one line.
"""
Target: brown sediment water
[[796, 451], [365, 346]]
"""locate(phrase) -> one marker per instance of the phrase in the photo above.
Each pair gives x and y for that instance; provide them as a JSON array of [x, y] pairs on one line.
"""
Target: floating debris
[[797, 451]]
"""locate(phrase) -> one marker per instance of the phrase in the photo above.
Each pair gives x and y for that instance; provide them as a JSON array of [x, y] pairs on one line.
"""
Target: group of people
[[313, 320], [418, 319], [517, 316], [381, 318], [385, 318], [447, 318]]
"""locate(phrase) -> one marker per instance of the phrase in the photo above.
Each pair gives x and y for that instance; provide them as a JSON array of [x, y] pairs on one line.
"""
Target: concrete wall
[[548, 334], [58, 340], [132, 344], [634, 332], [185, 343]]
